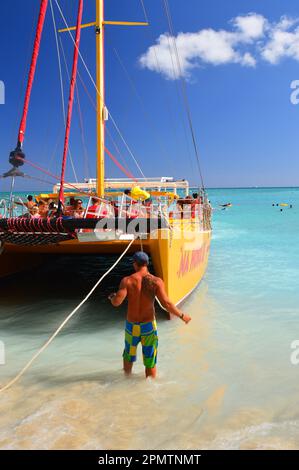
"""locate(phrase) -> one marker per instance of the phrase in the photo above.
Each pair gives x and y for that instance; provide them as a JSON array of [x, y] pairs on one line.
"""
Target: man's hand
[[185, 318], [110, 297]]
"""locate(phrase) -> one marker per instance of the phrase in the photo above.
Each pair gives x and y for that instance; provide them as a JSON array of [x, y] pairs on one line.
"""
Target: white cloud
[[248, 60], [251, 26], [250, 38], [283, 41]]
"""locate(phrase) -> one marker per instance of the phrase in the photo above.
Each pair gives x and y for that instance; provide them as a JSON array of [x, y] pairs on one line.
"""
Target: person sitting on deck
[[52, 209], [78, 211], [69, 209], [100, 208], [194, 205], [141, 288], [34, 213], [93, 210], [43, 208], [30, 203]]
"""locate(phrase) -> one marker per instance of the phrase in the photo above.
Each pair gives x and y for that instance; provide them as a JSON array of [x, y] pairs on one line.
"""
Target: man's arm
[[167, 304], [117, 298]]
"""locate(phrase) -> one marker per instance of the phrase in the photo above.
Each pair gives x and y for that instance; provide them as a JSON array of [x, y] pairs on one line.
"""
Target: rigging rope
[[128, 174], [85, 151], [79, 111], [37, 179], [106, 127], [53, 176], [55, 149], [183, 87], [99, 93], [61, 84], [71, 100], [144, 11], [49, 341], [164, 94], [146, 113], [117, 149]]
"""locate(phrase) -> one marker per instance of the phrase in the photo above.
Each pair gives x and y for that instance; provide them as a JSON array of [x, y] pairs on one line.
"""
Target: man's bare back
[[141, 288], [141, 291]]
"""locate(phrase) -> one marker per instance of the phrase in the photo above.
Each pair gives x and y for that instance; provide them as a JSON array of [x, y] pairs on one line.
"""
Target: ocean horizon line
[[191, 187]]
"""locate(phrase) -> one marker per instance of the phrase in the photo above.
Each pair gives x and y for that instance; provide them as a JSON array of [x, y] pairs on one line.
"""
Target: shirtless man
[[30, 203], [141, 289]]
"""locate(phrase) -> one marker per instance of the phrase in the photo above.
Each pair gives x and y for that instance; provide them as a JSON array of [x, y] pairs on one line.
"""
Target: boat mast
[[100, 81]]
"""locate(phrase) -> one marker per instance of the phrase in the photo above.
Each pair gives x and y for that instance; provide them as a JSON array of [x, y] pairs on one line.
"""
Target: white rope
[[159, 69], [61, 85], [26, 367], [183, 87], [163, 308], [99, 93], [144, 11]]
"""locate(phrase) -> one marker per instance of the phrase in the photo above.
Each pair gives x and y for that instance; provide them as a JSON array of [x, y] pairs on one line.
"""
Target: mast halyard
[[99, 25], [100, 81]]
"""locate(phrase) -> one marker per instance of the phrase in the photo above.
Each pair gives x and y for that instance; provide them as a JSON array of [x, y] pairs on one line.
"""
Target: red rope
[[127, 173], [95, 107], [53, 176], [38, 35], [71, 99]]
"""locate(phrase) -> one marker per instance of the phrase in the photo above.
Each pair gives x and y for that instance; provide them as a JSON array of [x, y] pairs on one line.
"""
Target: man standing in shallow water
[[141, 288]]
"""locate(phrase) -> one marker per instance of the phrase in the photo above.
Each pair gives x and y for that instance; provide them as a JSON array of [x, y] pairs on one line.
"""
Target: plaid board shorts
[[146, 334]]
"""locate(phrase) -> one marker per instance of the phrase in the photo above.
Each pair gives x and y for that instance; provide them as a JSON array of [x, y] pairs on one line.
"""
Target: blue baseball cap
[[140, 257]]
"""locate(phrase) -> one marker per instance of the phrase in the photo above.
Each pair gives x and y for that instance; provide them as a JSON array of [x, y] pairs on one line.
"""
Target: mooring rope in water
[[49, 341]]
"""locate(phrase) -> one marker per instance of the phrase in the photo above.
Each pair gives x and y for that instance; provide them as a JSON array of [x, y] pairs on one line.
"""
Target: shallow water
[[225, 380]]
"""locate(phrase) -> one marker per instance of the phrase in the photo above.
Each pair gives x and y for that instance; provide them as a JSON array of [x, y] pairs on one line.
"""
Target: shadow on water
[[64, 277], [33, 300]]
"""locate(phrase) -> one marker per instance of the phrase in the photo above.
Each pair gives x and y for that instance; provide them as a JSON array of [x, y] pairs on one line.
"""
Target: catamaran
[[158, 213]]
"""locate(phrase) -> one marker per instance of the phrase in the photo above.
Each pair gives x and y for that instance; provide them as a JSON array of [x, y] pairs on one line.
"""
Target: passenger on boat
[[134, 211], [185, 206], [194, 205], [148, 204], [43, 208], [93, 210], [78, 211], [69, 209], [34, 213], [52, 209], [30, 203]]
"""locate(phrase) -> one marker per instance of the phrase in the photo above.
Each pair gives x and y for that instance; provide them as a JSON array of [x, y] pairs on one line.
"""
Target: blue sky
[[238, 77]]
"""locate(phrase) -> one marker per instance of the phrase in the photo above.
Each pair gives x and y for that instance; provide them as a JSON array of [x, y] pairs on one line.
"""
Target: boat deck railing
[[126, 207]]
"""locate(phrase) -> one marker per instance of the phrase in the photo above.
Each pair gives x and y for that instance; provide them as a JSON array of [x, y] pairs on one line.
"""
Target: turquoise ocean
[[225, 381]]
